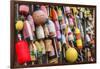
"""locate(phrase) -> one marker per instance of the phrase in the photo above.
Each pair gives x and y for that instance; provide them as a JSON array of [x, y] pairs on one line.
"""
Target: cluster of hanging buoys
[[53, 34]]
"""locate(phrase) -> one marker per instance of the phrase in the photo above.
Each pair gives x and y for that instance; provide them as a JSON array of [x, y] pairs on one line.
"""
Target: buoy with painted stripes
[[59, 14], [78, 38], [27, 31], [31, 21]]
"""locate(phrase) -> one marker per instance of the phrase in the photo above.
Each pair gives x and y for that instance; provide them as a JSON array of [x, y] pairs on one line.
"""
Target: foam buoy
[[51, 27], [71, 55], [71, 22], [19, 25], [78, 38], [22, 51], [67, 10], [27, 30], [40, 32], [31, 21], [59, 14], [63, 38], [43, 47], [39, 47], [24, 9], [39, 16], [46, 30], [58, 34], [33, 52], [88, 38], [57, 26], [75, 11], [70, 35], [49, 47], [54, 14], [44, 9]]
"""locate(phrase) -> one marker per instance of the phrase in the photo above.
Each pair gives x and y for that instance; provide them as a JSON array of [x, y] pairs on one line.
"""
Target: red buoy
[[22, 52]]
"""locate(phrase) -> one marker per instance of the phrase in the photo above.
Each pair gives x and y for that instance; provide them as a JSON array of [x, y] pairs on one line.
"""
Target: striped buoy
[[78, 38], [59, 14], [70, 35], [27, 30], [31, 21]]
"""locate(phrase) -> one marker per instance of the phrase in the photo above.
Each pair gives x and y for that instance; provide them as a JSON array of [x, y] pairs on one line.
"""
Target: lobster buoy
[[82, 10], [54, 14], [78, 38], [63, 24], [63, 38], [51, 27], [66, 20], [24, 9], [43, 47], [70, 35], [49, 47], [57, 26], [71, 22], [58, 34], [39, 47], [71, 55], [22, 52], [33, 52], [67, 10], [75, 11], [19, 25], [31, 21], [88, 38], [40, 32], [46, 30], [90, 17], [86, 13], [39, 16], [59, 14], [44, 9], [27, 30]]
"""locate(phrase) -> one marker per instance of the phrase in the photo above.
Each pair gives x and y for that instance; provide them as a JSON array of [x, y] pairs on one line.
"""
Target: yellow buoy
[[19, 25], [71, 55], [77, 31]]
